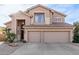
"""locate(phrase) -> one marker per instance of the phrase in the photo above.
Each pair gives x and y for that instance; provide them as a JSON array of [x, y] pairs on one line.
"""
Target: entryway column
[[71, 35], [18, 32], [26, 35]]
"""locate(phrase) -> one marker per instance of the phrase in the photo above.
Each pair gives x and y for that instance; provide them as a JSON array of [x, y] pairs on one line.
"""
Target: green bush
[[76, 33], [9, 36]]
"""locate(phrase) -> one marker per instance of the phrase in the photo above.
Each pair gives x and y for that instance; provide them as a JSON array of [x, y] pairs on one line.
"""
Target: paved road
[[48, 49]]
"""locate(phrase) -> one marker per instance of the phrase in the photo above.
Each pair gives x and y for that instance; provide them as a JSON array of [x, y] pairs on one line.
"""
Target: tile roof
[[52, 25], [61, 24]]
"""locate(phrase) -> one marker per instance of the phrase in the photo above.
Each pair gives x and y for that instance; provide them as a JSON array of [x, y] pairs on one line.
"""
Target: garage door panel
[[34, 37], [56, 37], [49, 37]]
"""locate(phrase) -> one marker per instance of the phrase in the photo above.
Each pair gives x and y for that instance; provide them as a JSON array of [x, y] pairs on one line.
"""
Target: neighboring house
[[40, 24]]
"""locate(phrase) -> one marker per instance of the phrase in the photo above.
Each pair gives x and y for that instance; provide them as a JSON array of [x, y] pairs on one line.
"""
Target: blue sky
[[71, 10]]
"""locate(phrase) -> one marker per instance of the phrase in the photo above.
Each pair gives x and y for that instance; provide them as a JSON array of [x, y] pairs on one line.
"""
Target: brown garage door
[[56, 37], [34, 37]]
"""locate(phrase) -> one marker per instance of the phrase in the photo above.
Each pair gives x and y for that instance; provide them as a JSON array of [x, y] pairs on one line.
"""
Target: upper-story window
[[57, 19], [39, 18]]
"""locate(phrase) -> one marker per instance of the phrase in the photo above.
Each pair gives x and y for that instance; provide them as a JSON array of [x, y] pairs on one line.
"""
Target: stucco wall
[[13, 25], [48, 29], [49, 17], [40, 10], [56, 17], [19, 16]]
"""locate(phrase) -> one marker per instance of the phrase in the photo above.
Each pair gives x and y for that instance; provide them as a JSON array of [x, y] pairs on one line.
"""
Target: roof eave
[[7, 22]]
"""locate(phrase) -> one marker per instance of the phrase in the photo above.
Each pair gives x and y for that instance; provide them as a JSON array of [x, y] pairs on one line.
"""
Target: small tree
[[9, 36], [76, 33]]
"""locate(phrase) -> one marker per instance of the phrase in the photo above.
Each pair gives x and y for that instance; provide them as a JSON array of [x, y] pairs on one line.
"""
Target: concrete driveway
[[47, 49]]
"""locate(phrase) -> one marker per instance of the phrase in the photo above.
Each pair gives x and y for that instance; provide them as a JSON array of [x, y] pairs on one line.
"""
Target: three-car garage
[[48, 36]]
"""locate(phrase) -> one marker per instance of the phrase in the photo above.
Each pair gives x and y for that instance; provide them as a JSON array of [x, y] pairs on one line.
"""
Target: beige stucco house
[[40, 24]]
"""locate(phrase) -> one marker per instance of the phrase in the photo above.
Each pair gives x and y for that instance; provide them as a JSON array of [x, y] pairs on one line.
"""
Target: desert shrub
[[9, 37]]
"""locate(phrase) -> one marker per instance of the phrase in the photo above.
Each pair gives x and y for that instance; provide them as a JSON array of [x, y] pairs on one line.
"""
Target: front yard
[[5, 49]]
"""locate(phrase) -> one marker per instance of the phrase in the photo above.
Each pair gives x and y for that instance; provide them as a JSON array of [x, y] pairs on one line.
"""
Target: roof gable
[[18, 13], [52, 10]]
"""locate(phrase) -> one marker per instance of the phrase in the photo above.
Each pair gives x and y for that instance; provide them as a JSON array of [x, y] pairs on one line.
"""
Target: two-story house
[[40, 24]]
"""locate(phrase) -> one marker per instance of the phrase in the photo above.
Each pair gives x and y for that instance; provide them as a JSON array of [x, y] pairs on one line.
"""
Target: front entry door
[[22, 32], [20, 24]]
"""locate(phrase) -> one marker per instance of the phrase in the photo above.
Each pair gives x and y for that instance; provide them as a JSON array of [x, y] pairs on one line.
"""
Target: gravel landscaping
[[5, 49]]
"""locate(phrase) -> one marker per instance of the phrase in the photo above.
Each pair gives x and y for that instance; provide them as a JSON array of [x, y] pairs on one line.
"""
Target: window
[[39, 18], [57, 19]]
